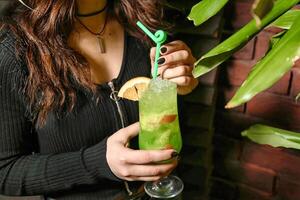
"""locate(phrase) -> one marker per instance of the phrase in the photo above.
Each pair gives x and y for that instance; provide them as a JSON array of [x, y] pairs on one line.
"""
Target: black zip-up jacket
[[66, 158]]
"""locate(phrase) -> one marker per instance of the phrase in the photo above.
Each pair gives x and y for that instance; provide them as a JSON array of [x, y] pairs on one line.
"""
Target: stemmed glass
[[159, 121], [160, 130]]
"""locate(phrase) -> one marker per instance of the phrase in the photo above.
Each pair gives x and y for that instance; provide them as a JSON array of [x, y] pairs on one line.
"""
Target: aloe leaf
[[276, 38], [260, 8], [271, 68], [205, 9], [275, 137], [223, 51], [286, 20]]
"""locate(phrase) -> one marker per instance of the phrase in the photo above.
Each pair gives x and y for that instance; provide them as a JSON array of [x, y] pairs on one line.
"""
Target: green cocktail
[[160, 130], [159, 121], [159, 117]]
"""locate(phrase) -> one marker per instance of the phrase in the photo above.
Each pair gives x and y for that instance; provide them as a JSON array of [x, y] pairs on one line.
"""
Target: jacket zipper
[[114, 96]]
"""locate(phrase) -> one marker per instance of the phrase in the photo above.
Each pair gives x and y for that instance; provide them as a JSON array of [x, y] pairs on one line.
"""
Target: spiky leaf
[[286, 20], [223, 51], [271, 68], [275, 137], [205, 9], [260, 9]]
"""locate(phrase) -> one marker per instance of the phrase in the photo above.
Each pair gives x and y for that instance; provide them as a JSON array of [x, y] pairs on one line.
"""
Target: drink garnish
[[166, 119], [134, 88]]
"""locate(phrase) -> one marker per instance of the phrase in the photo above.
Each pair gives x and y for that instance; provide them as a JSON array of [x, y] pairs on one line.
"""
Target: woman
[[61, 134]]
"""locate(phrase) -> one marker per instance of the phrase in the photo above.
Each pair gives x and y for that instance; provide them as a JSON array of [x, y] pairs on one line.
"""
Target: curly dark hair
[[53, 66]]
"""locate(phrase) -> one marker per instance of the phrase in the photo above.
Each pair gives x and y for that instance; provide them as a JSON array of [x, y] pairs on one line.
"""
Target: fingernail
[[161, 61], [174, 154], [163, 50]]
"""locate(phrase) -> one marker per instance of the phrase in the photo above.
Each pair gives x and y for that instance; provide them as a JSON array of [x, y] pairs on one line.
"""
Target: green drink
[[160, 130], [159, 122], [159, 117]]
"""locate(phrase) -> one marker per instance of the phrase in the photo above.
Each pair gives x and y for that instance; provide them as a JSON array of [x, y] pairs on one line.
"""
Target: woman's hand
[[176, 64], [136, 165]]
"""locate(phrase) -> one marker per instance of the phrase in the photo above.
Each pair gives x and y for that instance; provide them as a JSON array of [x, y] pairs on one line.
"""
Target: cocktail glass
[[160, 130]]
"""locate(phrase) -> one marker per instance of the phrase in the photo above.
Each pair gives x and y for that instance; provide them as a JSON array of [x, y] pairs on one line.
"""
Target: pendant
[[101, 44]]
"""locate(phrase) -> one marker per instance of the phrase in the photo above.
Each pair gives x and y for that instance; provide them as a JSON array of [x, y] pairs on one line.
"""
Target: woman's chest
[[93, 119], [90, 122]]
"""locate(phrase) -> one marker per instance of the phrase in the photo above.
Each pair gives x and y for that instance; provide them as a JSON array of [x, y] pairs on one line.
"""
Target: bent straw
[[159, 38]]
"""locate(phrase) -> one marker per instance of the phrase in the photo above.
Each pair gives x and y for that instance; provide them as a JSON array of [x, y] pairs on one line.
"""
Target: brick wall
[[244, 170]]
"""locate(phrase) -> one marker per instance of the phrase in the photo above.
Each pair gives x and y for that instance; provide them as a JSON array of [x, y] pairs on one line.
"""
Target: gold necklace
[[99, 35]]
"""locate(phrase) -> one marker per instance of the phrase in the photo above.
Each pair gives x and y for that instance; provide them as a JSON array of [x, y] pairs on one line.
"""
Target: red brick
[[262, 44], [273, 158], [250, 193], [225, 94], [282, 86], [294, 152], [295, 87], [276, 108], [226, 149], [297, 64], [209, 78], [227, 190], [238, 71], [287, 188], [296, 7], [242, 12], [233, 123], [223, 189], [247, 52], [273, 30], [249, 174]]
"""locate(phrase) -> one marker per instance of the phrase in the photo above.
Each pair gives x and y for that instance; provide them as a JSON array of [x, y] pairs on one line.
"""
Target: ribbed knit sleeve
[[25, 173]]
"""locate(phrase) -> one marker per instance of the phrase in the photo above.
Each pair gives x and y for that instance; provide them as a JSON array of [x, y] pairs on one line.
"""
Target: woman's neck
[[90, 6]]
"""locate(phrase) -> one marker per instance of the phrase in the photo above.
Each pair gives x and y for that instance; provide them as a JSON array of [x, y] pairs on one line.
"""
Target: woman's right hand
[[137, 165]]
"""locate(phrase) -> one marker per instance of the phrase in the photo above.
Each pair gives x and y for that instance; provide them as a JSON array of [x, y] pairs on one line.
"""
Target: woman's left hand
[[176, 64]]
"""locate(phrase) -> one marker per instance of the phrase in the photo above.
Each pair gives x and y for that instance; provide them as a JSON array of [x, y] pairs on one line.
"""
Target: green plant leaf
[[223, 51], [275, 137], [260, 9], [286, 20], [205, 9], [271, 68], [276, 38]]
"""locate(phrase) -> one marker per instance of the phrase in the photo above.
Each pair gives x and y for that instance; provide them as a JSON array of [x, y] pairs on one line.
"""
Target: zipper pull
[[114, 96], [114, 93]]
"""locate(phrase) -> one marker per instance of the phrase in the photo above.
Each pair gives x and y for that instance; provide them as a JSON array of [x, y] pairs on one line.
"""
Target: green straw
[[159, 38]]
